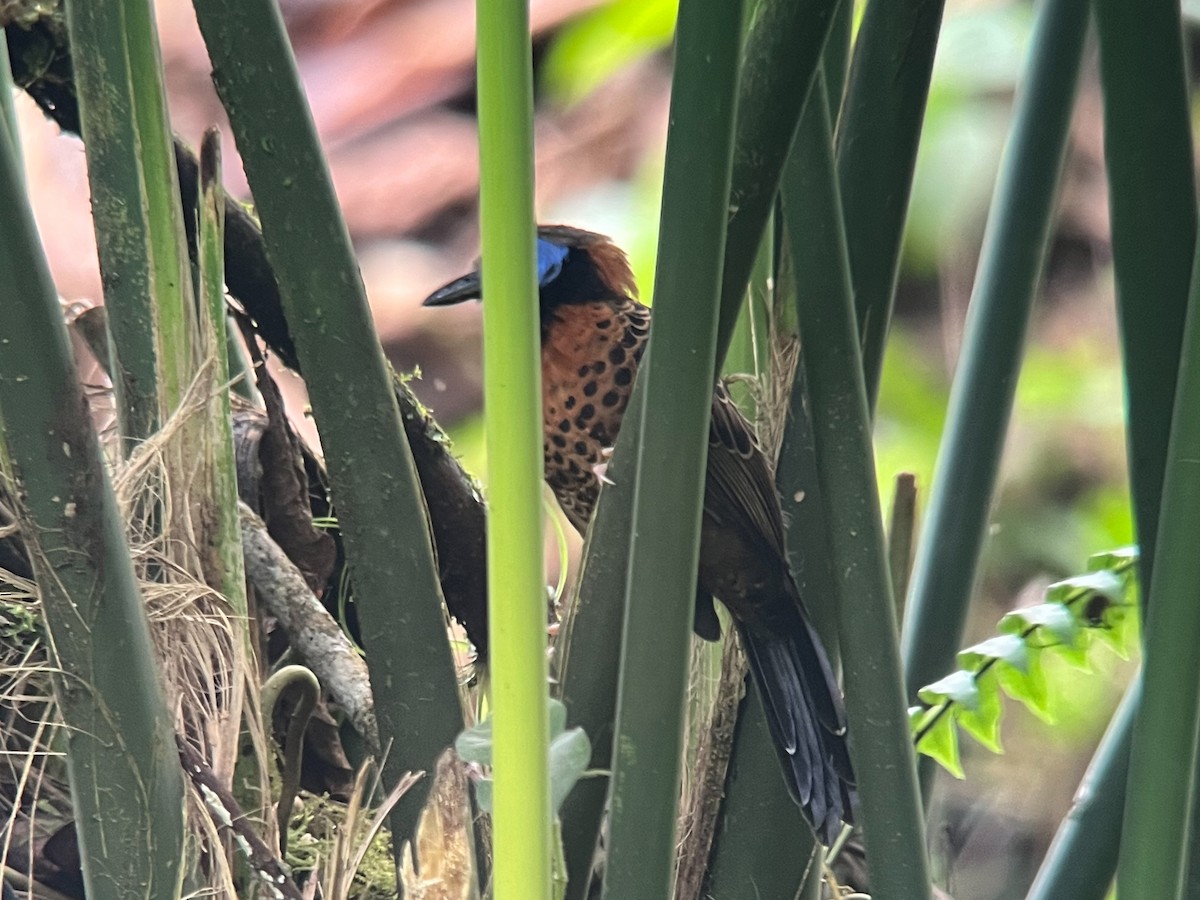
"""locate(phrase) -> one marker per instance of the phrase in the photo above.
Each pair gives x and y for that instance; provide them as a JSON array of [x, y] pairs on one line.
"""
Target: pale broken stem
[[221, 804], [311, 630]]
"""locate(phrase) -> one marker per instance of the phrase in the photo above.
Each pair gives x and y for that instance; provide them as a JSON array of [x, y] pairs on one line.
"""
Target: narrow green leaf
[[890, 807], [589, 651], [135, 206], [880, 126], [1156, 839], [779, 65], [1152, 210], [677, 380], [123, 766]]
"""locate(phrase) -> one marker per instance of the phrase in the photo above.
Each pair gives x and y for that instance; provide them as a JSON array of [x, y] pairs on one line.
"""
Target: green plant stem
[[379, 505], [8, 109], [1083, 856], [677, 376], [783, 50], [1153, 209], [126, 785], [877, 140], [135, 206], [890, 806], [761, 838], [796, 475], [901, 531], [589, 650], [227, 569], [984, 384], [512, 404], [1158, 815]]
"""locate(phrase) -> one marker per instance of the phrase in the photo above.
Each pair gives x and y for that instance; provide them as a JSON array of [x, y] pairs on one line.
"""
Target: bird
[[594, 332]]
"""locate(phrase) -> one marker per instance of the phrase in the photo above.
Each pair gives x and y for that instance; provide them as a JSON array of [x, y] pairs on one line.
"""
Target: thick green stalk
[[1083, 856], [783, 50], [677, 377], [126, 785], [890, 805], [380, 509], [835, 62], [215, 506], [877, 140], [981, 398], [1153, 210], [761, 838], [512, 404], [230, 569], [8, 109], [1162, 762], [796, 471], [135, 205], [589, 650]]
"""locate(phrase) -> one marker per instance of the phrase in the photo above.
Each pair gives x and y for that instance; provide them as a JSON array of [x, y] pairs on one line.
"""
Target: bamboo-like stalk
[[229, 568], [1156, 833], [783, 50], [877, 140], [761, 838], [217, 526], [513, 408], [589, 651], [796, 471], [379, 505], [125, 780], [677, 380], [1152, 204], [1083, 856], [981, 397], [8, 110], [135, 206], [890, 806], [835, 61]]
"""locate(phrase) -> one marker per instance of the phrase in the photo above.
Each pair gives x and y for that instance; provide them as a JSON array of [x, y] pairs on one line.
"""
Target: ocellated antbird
[[593, 332]]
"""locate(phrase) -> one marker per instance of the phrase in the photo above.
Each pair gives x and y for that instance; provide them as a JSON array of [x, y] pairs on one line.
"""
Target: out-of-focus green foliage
[[967, 117], [601, 42]]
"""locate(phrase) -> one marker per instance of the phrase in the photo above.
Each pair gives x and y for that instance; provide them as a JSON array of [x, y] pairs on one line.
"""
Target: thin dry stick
[[313, 633]]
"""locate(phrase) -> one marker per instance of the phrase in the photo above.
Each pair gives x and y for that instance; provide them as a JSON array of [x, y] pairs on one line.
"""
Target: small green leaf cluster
[[19, 622], [1076, 613], [570, 753]]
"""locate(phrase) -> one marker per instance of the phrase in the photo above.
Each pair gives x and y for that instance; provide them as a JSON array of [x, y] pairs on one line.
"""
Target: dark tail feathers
[[805, 715]]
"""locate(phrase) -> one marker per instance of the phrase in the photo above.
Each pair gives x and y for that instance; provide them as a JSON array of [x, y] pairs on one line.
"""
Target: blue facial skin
[[550, 259]]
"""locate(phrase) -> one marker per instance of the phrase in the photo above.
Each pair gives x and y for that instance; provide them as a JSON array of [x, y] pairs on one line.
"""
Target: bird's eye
[[550, 259]]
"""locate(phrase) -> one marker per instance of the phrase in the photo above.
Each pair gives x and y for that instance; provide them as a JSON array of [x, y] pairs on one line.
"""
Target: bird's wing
[[740, 493]]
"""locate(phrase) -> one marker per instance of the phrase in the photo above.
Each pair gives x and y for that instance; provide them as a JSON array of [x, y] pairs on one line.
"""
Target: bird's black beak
[[469, 287]]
